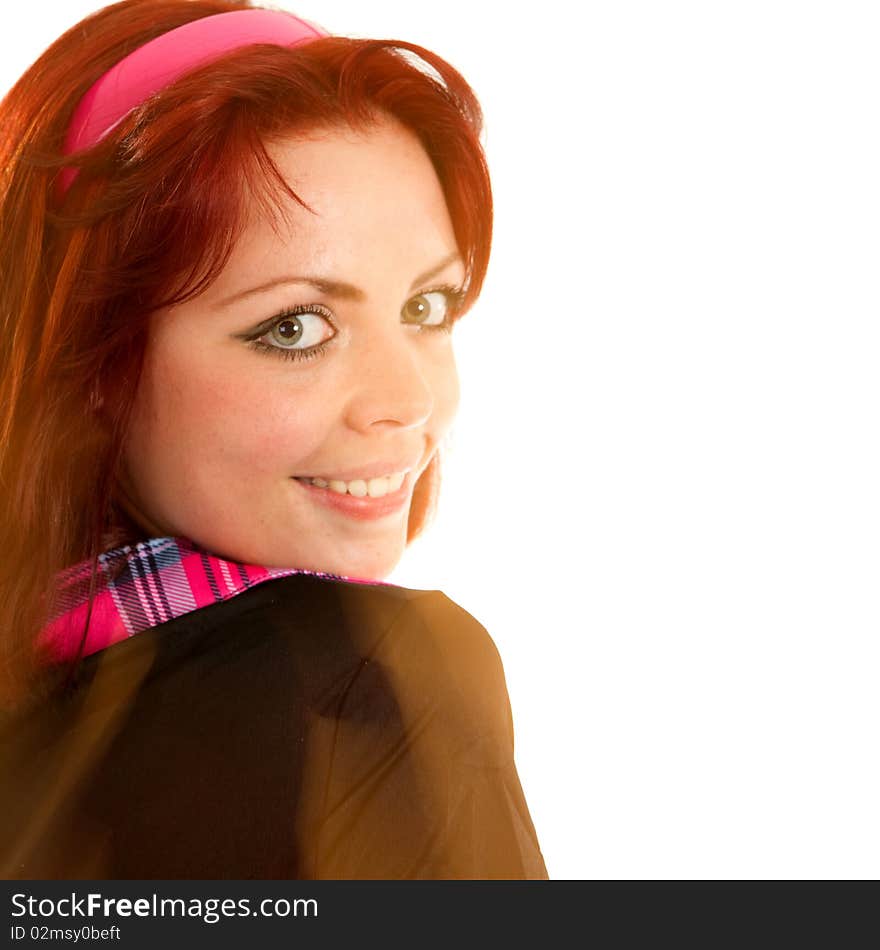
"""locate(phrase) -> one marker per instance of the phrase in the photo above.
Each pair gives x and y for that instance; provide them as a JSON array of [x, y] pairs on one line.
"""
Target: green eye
[[289, 330], [306, 326], [428, 309]]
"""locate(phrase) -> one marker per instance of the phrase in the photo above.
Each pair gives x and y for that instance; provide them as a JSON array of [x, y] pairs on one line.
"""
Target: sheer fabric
[[309, 727]]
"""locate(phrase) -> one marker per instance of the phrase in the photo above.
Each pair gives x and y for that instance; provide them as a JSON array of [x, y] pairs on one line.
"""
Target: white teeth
[[377, 487], [360, 488]]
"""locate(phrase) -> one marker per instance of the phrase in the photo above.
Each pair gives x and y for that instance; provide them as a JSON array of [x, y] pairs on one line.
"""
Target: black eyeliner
[[454, 297]]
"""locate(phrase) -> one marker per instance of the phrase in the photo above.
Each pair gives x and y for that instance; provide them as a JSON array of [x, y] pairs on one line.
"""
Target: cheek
[[192, 418], [279, 432], [445, 385]]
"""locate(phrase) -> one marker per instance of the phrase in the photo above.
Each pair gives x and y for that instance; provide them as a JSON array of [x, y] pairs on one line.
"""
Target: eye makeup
[[454, 300]]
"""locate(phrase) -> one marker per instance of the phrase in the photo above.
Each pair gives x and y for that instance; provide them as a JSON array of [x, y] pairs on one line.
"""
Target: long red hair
[[150, 221]]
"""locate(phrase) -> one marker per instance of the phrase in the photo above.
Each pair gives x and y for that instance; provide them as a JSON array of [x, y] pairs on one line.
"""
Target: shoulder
[[426, 627], [368, 616], [344, 643], [424, 632], [311, 641]]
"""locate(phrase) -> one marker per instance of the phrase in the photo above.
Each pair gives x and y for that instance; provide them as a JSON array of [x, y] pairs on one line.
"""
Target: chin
[[357, 564], [367, 570], [374, 565]]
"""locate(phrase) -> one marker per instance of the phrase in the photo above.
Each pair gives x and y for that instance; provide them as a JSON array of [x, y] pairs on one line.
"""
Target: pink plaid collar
[[143, 585]]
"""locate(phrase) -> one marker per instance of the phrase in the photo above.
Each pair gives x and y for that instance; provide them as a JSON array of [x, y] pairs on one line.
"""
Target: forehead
[[340, 166], [373, 198]]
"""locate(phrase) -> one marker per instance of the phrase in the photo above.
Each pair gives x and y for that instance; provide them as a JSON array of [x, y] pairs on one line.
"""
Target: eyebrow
[[334, 288]]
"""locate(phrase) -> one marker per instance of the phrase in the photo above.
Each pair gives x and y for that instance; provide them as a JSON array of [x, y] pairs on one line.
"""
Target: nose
[[392, 388]]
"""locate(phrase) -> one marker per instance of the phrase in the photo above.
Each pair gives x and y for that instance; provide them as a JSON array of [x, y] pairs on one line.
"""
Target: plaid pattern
[[143, 585]]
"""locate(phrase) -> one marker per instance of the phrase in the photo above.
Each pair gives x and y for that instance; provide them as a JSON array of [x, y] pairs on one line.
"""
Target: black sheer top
[[307, 728]]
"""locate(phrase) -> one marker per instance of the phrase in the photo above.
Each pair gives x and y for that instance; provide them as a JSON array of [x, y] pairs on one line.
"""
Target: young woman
[[233, 251]]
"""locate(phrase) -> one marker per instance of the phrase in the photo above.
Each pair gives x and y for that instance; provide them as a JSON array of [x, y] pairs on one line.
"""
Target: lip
[[361, 509]]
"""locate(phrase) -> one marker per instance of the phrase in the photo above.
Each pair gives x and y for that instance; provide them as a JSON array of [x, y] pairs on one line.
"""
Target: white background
[[663, 496]]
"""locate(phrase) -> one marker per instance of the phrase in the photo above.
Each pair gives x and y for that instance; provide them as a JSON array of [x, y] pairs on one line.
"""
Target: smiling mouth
[[360, 508], [359, 487]]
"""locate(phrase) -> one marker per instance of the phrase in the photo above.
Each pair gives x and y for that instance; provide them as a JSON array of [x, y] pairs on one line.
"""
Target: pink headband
[[164, 60]]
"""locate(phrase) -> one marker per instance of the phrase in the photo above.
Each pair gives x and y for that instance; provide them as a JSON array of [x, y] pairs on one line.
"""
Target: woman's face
[[227, 420]]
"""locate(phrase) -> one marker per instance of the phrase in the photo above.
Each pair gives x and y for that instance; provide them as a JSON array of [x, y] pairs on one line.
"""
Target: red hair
[[150, 221]]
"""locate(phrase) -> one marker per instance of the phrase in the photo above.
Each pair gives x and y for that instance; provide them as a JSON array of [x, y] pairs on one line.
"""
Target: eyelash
[[455, 298]]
